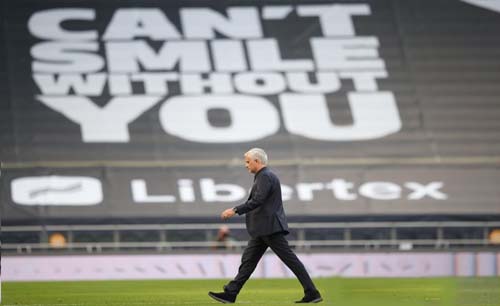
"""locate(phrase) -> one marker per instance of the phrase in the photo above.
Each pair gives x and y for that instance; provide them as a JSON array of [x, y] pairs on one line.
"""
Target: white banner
[[207, 266]]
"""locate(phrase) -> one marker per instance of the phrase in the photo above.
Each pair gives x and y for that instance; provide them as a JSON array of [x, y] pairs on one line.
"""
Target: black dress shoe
[[311, 298], [222, 297]]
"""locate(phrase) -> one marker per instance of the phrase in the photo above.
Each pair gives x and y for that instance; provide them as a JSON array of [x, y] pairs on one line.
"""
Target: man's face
[[251, 164]]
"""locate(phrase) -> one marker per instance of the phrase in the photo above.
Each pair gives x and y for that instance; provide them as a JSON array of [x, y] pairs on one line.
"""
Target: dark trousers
[[253, 253]]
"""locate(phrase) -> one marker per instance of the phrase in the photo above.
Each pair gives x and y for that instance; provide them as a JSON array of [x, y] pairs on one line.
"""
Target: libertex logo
[[221, 60], [57, 191]]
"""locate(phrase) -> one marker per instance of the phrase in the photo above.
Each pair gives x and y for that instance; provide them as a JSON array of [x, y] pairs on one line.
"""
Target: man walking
[[266, 223]]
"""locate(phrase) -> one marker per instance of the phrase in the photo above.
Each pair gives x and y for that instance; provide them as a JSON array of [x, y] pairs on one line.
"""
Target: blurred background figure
[[224, 239], [57, 240], [495, 236]]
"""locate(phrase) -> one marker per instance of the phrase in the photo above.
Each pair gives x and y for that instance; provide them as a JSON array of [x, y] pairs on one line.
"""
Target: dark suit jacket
[[264, 208]]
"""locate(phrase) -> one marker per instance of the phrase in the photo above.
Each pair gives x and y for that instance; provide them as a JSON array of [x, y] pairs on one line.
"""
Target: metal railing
[[166, 240]]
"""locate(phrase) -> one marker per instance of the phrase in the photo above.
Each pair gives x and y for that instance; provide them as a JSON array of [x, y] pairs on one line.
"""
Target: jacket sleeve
[[259, 195]]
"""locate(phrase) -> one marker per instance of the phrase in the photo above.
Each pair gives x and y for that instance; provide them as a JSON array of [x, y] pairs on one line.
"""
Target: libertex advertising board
[[144, 109]]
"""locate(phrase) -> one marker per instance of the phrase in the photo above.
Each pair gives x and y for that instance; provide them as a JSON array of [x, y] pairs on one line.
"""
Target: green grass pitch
[[336, 291]]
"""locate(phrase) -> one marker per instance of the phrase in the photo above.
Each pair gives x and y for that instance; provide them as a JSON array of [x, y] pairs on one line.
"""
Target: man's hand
[[228, 213]]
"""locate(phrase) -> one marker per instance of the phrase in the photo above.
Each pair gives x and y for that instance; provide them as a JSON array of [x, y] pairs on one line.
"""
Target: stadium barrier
[[315, 236]]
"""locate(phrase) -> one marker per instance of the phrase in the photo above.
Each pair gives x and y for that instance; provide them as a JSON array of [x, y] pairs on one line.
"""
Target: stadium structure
[[123, 126]]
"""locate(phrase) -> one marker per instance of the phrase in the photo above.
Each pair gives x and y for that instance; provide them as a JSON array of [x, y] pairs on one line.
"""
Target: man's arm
[[262, 188], [228, 213]]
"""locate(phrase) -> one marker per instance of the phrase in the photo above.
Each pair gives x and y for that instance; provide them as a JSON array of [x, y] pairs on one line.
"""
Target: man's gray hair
[[258, 154]]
